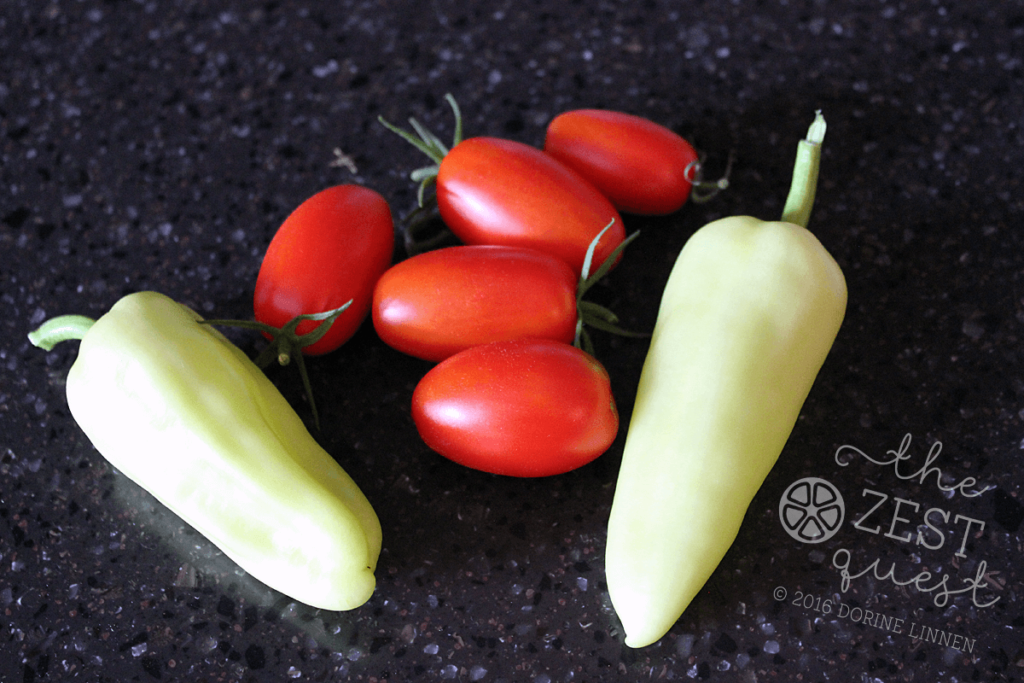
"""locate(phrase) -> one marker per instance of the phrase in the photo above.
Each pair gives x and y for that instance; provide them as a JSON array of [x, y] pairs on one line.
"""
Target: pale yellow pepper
[[748, 315], [184, 413]]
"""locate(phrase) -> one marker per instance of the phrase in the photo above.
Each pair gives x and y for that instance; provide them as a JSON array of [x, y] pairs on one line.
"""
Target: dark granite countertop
[[158, 145]]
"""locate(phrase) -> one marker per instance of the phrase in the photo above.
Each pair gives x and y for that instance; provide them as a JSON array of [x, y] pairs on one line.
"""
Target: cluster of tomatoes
[[501, 314]]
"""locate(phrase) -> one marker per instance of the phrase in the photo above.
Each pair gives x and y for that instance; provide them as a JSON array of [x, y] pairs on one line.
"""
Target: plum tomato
[[440, 302], [331, 249], [494, 191], [521, 408], [642, 167]]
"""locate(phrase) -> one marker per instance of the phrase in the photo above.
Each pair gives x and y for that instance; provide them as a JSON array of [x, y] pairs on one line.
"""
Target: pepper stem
[[805, 175], [59, 329]]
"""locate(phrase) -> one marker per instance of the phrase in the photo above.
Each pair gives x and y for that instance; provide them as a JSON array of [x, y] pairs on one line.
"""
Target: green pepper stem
[[805, 175], [59, 329]]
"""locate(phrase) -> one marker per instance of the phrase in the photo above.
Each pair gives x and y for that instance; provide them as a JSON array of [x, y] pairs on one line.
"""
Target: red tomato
[[644, 168], [332, 248], [494, 191], [440, 302], [522, 408]]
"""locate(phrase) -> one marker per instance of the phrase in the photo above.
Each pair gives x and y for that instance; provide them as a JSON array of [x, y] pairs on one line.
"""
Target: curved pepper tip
[[645, 631], [647, 607]]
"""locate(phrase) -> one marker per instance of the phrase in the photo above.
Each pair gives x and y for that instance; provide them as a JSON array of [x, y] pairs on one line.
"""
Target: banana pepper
[[183, 412], [748, 315]]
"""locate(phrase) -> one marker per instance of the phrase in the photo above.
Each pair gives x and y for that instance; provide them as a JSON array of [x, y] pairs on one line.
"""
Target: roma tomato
[[495, 191], [331, 249], [643, 167], [521, 408], [440, 302]]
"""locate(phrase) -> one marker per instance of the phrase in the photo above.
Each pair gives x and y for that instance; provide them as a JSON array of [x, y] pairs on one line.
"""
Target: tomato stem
[[705, 190], [589, 313], [286, 344], [416, 224], [450, 99], [428, 143], [800, 200]]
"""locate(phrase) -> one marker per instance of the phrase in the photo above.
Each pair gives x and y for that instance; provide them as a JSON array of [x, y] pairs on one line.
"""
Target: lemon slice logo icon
[[812, 510]]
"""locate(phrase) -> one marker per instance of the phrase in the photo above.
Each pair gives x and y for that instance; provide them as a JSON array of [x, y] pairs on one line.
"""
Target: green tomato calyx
[[704, 190], [428, 143], [589, 314], [286, 344]]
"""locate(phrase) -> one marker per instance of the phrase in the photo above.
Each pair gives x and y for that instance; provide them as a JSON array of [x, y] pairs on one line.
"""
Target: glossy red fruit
[[522, 408], [440, 302], [641, 166], [331, 249], [495, 191]]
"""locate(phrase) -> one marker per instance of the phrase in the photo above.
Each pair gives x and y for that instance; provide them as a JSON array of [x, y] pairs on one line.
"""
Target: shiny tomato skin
[[639, 165], [495, 191], [440, 302], [520, 408], [332, 248]]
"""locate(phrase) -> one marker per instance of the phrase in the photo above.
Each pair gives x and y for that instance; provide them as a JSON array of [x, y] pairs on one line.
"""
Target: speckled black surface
[[152, 145]]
